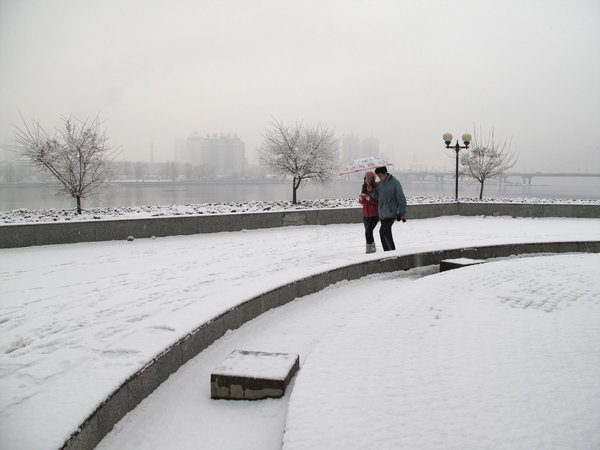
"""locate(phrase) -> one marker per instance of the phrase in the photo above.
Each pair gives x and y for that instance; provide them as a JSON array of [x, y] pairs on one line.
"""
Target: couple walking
[[383, 201]]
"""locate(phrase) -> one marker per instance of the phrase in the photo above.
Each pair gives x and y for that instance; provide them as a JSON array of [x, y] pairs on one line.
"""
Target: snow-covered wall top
[[106, 227]]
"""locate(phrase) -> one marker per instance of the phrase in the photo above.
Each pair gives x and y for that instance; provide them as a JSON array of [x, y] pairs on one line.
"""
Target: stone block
[[335, 276], [213, 330], [497, 251], [309, 285], [586, 211], [356, 271], [312, 216], [208, 223], [404, 262], [424, 259], [64, 233], [108, 230], [145, 381], [231, 319], [249, 310], [112, 410], [472, 209], [253, 375], [429, 210], [589, 247], [269, 300], [254, 221], [172, 226], [192, 344], [484, 252], [12, 236], [340, 215], [287, 293], [294, 218], [387, 265], [230, 222], [467, 252], [557, 210], [86, 437], [535, 210], [449, 264], [567, 247], [372, 266]]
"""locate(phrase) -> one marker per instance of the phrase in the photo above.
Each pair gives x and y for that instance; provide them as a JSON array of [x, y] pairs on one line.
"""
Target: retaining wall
[[142, 383], [17, 235]]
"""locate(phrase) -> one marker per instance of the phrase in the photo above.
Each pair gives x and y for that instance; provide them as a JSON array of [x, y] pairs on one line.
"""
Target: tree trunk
[[294, 189], [296, 185], [78, 198], [481, 190]]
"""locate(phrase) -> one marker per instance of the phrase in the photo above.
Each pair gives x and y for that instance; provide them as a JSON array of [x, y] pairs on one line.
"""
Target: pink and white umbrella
[[363, 164]]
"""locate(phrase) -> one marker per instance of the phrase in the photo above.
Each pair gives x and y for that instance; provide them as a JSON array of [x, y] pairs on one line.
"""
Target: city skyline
[[404, 72]]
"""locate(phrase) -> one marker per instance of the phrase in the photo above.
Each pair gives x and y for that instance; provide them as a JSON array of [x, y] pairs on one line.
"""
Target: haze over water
[[40, 196]]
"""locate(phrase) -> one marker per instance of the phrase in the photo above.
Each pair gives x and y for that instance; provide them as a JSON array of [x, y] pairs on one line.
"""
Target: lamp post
[[466, 140]]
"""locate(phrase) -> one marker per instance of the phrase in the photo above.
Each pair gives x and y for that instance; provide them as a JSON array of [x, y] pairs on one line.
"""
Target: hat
[[370, 175]]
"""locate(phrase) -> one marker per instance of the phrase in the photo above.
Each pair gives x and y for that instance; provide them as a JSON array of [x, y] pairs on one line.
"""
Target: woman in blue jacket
[[391, 205]]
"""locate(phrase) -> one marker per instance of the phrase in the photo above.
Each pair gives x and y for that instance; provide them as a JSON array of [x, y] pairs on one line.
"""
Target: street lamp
[[466, 140]]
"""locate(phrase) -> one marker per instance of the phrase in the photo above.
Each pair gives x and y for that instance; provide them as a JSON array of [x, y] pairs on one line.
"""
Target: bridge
[[421, 175], [527, 177]]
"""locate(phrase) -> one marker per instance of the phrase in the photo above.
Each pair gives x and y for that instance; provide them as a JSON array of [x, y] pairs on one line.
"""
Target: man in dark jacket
[[392, 205]]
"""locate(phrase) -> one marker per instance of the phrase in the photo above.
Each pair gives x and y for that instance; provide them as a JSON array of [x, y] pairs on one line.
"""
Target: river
[[42, 196]]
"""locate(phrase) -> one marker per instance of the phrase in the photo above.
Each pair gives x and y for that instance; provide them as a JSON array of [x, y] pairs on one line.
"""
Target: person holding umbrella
[[370, 210], [391, 205]]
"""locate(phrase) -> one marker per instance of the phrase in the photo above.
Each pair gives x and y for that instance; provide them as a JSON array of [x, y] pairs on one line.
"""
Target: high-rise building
[[351, 147], [222, 153], [354, 148], [370, 146]]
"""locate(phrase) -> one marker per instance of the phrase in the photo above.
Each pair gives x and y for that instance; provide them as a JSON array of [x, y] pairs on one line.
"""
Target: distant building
[[370, 146], [222, 153], [353, 148]]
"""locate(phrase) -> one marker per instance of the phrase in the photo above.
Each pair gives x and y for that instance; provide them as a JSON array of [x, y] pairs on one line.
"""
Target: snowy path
[[169, 417], [76, 320], [502, 355]]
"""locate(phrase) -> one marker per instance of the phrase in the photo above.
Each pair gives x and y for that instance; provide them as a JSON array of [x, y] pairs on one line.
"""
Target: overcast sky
[[402, 71]]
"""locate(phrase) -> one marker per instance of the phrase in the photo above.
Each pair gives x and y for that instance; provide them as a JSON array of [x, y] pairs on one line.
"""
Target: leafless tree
[[76, 155], [487, 159], [306, 154]]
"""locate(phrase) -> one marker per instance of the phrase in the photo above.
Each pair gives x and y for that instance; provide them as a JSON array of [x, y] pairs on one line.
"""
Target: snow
[[464, 261], [255, 364], [505, 355], [140, 212], [78, 319]]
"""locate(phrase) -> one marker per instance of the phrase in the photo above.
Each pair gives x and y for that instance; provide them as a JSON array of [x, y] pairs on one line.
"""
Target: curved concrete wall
[[143, 382], [25, 235]]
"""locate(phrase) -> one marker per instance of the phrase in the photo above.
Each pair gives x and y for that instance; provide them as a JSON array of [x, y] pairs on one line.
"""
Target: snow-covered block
[[448, 264], [252, 375]]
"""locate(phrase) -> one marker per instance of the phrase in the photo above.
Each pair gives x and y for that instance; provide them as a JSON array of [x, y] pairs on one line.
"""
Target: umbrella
[[362, 164]]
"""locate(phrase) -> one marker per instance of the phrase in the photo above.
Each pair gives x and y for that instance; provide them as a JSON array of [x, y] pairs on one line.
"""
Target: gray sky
[[402, 71]]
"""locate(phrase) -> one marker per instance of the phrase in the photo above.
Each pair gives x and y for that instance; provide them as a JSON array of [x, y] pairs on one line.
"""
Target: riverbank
[[23, 216]]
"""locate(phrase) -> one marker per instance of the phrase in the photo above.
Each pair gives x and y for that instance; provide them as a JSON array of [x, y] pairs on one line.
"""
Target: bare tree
[[306, 154], [487, 159], [76, 155]]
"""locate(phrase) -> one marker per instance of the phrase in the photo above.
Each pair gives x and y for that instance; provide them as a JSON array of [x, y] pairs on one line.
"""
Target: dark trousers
[[385, 233], [370, 224]]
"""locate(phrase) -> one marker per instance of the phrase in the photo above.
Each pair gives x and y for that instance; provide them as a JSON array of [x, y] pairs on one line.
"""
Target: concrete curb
[[25, 235], [142, 383]]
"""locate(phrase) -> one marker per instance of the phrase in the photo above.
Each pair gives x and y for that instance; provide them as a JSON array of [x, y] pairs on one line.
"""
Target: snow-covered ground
[[501, 355], [77, 320], [139, 212]]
